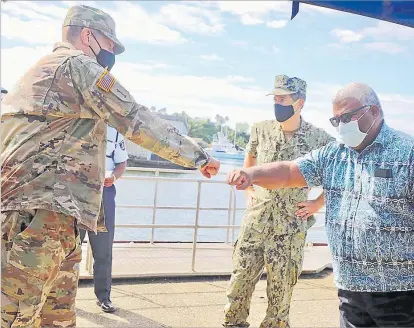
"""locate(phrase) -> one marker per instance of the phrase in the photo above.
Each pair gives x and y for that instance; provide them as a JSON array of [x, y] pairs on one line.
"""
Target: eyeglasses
[[346, 117]]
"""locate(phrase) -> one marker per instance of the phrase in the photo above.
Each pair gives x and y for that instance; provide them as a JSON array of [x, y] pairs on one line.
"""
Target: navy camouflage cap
[[285, 85], [85, 16]]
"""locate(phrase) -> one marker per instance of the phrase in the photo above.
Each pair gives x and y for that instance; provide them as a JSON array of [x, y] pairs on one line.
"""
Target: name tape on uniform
[[106, 81]]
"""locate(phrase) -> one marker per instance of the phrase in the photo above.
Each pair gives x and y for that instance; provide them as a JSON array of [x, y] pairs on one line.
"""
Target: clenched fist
[[241, 178], [212, 168]]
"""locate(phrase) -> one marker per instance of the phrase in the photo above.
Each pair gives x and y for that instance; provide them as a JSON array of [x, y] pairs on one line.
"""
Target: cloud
[[346, 36], [385, 35], [153, 84], [277, 23], [134, 23], [43, 8], [260, 12], [255, 12], [191, 19], [16, 61], [258, 8], [387, 47], [389, 31], [41, 24], [239, 79], [212, 57], [35, 31], [248, 19]]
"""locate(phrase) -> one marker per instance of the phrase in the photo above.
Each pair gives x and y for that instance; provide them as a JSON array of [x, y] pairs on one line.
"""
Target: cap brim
[[280, 92], [119, 47]]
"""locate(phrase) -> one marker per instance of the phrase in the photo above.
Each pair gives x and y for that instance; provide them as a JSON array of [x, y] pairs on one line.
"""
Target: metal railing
[[231, 209]]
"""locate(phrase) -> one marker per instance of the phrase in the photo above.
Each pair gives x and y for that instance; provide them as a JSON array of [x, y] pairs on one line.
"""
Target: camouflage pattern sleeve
[[325, 138], [113, 103], [251, 147]]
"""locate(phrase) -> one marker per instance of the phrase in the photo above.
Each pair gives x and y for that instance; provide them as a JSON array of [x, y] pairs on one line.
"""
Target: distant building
[[138, 152]]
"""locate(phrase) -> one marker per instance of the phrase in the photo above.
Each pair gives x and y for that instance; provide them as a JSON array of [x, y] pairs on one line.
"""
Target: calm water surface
[[176, 193]]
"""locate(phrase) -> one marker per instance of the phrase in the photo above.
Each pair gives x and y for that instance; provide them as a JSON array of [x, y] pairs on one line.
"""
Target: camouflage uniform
[[53, 131], [271, 236]]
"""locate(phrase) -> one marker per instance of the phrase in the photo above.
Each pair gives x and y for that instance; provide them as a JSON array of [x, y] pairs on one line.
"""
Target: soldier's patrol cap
[[285, 85], [85, 16]]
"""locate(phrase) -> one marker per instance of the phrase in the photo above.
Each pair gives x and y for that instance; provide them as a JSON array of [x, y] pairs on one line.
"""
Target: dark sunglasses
[[346, 117]]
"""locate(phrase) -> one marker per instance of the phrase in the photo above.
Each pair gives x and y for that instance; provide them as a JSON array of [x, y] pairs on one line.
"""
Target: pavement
[[199, 301]]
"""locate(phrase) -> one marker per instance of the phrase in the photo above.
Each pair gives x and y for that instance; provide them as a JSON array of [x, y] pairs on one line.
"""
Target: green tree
[[162, 111], [242, 127]]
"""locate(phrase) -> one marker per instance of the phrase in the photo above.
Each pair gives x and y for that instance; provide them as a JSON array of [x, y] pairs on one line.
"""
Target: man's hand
[[108, 182], [308, 208], [212, 168], [241, 178], [250, 197]]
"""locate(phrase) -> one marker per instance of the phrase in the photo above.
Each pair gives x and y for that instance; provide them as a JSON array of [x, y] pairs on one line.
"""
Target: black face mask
[[104, 57], [283, 113]]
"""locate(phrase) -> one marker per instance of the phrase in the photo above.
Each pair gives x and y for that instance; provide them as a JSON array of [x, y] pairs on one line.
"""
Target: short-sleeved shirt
[[53, 133], [267, 144], [369, 198], [116, 152]]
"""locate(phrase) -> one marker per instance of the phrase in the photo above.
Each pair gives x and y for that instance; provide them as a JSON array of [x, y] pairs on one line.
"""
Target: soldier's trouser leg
[[101, 245], [248, 264], [284, 259], [40, 263]]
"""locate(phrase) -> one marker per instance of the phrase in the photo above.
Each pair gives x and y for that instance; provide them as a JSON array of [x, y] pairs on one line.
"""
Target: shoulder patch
[[106, 81]]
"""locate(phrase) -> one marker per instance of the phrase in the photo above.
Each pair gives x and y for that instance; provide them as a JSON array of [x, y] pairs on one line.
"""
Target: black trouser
[[362, 309], [101, 245]]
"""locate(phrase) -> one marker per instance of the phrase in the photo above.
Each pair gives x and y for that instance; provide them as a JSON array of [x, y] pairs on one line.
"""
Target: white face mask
[[350, 134]]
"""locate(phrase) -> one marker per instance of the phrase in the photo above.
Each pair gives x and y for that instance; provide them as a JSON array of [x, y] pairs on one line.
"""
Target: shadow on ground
[[121, 318]]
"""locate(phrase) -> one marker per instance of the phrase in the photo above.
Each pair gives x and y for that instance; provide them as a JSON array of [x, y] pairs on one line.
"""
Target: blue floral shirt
[[369, 210]]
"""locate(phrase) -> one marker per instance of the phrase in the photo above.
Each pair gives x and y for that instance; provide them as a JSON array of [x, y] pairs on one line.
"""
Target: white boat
[[221, 147]]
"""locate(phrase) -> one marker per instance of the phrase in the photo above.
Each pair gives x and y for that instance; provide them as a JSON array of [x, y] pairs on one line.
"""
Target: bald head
[[361, 93]]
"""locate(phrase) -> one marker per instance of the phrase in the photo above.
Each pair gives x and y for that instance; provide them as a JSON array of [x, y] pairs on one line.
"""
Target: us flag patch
[[106, 81]]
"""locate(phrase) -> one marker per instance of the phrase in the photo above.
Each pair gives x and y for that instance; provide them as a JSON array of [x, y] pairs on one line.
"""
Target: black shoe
[[106, 306]]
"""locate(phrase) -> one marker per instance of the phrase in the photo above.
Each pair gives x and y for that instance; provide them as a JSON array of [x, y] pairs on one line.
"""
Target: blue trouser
[[101, 245]]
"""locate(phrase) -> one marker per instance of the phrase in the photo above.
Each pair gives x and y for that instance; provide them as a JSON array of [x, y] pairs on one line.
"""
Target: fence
[[231, 209]]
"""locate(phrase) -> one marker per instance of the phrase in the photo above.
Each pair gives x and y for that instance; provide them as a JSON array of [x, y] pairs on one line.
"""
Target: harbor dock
[[198, 302], [183, 284]]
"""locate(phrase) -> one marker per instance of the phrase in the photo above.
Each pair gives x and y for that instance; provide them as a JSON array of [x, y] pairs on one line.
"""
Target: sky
[[221, 57]]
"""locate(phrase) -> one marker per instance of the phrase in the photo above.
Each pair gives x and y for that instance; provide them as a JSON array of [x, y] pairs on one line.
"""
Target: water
[[133, 192]]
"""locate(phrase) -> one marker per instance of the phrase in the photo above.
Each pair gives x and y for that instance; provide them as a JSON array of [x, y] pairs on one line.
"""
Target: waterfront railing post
[[234, 213], [196, 226], [229, 216], [154, 210]]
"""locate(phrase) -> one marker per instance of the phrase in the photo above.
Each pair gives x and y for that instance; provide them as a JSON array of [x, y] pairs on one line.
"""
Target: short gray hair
[[359, 91], [73, 33]]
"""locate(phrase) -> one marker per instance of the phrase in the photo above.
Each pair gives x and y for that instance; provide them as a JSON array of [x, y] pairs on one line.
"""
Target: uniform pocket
[[296, 257], [33, 258]]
